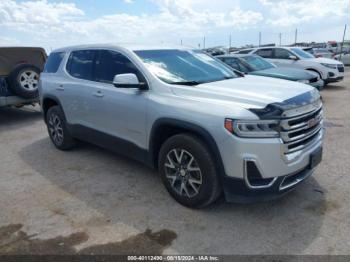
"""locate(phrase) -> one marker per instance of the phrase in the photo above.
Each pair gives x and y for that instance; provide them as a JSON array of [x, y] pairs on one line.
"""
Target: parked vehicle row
[[20, 68], [320, 52], [204, 127], [256, 65], [329, 70], [344, 58]]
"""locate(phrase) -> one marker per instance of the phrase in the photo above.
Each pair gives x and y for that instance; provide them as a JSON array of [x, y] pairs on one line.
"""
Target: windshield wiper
[[186, 83]]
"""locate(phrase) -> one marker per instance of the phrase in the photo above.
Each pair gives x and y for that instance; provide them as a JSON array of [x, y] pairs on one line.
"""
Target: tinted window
[[282, 53], [110, 63], [235, 63], [80, 64], [245, 51], [257, 63], [53, 62], [266, 53], [302, 53]]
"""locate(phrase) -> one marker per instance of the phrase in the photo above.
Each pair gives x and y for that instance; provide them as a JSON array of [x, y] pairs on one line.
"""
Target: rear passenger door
[[120, 112], [76, 91]]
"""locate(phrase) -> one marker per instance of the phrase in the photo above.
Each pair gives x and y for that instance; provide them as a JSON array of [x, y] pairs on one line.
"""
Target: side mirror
[[293, 57], [128, 81]]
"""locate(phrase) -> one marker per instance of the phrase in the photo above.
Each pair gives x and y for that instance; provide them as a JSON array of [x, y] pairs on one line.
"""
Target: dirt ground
[[92, 201]]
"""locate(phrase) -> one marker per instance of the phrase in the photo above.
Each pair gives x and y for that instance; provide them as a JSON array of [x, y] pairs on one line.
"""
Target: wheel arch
[[48, 102], [165, 128], [315, 70]]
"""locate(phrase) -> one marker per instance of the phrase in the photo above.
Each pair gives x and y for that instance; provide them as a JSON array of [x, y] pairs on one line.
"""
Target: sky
[[56, 23]]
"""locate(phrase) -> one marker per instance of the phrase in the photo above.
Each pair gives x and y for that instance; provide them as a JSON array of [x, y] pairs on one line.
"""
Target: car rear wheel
[[188, 171], [57, 128], [24, 81]]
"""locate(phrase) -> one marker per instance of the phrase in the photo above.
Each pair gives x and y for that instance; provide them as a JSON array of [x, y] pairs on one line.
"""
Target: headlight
[[330, 65], [253, 128], [304, 81]]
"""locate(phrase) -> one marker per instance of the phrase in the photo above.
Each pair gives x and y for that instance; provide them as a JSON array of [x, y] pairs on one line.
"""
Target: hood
[[285, 73], [247, 92], [325, 61]]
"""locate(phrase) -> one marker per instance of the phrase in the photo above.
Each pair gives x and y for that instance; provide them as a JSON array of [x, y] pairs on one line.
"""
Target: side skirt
[[112, 143]]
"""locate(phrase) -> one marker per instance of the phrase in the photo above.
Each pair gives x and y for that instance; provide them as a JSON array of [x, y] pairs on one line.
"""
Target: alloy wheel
[[183, 172], [55, 129]]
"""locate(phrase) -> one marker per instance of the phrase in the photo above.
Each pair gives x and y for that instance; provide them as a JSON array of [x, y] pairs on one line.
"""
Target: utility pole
[[342, 43], [280, 36], [181, 41], [296, 36], [230, 41], [203, 42], [259, 39]]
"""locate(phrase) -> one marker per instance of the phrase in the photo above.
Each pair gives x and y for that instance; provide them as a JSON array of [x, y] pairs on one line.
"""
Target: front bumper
[[335, 79], [237, 191], [275, 168], [335, 75]]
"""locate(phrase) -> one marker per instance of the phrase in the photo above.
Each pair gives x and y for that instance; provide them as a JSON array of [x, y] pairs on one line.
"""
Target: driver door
[[119, 112], [282, 58]]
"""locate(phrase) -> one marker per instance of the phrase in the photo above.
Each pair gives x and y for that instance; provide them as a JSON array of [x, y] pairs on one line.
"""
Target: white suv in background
[[329, 70]]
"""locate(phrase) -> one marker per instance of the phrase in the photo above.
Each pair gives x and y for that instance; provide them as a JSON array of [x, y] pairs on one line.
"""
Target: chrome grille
[[341, 68], [299, 132]]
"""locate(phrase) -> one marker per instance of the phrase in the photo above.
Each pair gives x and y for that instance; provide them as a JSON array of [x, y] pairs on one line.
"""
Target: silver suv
[[208, 130]]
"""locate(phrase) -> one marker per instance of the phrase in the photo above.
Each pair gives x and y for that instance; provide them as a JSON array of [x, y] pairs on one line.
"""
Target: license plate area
[[316, 158]]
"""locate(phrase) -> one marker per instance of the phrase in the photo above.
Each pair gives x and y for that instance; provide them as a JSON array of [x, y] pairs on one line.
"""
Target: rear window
[[81, 63], [53, 62]]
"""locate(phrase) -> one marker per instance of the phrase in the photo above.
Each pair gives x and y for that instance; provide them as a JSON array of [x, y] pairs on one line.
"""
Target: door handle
[[98, 94], [60, 88]]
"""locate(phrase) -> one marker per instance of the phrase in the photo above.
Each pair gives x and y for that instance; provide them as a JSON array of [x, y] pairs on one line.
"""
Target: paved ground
[[92, 201]]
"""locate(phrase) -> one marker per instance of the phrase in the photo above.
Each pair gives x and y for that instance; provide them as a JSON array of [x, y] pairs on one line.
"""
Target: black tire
[[57, 128], [210, 188], [24, 80]]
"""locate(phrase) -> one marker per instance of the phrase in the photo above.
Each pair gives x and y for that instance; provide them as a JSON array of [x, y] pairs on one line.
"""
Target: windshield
[[185, 66], [302, 53], [257, 63]]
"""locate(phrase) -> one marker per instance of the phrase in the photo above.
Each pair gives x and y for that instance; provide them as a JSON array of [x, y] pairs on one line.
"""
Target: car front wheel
[[188, 171]]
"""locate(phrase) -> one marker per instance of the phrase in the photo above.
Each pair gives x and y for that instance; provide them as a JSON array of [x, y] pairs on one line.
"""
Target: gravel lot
[[92, 201]]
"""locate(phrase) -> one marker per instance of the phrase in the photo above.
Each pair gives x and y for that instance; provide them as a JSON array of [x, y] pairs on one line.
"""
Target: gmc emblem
[[312, 122]]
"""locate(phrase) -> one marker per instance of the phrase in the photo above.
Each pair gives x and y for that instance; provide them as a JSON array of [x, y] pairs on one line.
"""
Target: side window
[[265, 53], [80, 64], [282, 53], [245, 51], [110, 63], [232, 62], [53, 62]]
